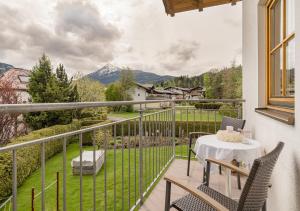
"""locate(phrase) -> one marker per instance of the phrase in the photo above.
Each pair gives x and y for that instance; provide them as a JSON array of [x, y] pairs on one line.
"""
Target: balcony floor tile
[[155, 202]]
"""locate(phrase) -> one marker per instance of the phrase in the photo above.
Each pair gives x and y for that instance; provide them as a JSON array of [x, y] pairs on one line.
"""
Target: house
[[272, 108], [195, 93], [140, 92], [143, 92], [19, 79]]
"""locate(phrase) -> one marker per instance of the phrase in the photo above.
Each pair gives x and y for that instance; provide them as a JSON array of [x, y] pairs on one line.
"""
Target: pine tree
[[46, 87]]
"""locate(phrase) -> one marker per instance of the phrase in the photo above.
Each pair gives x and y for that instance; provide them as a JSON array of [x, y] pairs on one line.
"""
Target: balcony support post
[[141, 176], [173, 126]]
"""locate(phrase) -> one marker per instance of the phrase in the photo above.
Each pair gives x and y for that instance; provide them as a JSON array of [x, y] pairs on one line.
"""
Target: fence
[[35, 196], [6, 205], [137, 151]]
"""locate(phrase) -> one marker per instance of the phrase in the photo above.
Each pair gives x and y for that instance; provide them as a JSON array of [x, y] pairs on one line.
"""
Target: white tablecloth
[[210, 146]]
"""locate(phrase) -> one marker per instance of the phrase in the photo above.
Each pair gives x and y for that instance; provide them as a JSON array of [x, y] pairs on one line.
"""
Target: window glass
[[24, 79], [290, 68], [290, 17], [276, 73], [276, 26]]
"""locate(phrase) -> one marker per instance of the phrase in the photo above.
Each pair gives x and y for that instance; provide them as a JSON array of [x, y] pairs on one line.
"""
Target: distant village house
[[143, 92]]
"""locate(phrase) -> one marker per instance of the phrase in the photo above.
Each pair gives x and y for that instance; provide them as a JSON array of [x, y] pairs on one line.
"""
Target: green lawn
[[181, 115], [55, 164]]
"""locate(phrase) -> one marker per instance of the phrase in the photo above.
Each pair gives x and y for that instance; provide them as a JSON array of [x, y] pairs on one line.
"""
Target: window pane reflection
[[276, 23], [290, 17], [290, 68], [276, 73]]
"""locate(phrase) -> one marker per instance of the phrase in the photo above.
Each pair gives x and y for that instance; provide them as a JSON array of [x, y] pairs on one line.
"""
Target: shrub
[[228, 110], [28, 158], [208, 105], [93, 115], [87, 138], [90, 122]]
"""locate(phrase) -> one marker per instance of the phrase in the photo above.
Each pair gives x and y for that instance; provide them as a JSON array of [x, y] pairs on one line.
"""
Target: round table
[[210, 147]]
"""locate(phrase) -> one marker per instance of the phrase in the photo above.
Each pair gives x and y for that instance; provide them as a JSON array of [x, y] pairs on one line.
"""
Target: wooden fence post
[[57, 191], [32, 199]]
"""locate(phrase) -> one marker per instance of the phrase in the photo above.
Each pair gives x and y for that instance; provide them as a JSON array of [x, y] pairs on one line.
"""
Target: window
[[24, 79], [281, 54]]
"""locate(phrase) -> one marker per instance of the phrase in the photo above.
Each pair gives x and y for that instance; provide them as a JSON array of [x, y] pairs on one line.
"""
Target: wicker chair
[[226, 121], [253, 196]]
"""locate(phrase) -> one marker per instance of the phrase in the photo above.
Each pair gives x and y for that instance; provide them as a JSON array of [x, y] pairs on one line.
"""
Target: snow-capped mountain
[[110, 73]]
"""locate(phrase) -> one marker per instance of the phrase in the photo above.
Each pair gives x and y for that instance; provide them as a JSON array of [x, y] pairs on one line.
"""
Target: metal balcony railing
[[141, 148]]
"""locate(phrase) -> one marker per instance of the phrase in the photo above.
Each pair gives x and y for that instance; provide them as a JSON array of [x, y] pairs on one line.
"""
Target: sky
[[84, 35]]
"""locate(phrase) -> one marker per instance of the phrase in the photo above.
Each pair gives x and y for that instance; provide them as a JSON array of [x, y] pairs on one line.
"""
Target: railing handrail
[[166, 123], [37, 107]]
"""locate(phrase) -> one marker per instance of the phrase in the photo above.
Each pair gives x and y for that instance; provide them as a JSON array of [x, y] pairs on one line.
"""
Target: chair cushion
[[191, 203]]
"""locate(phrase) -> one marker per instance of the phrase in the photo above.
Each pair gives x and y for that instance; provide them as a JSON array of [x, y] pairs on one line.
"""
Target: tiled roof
[[18, 76]]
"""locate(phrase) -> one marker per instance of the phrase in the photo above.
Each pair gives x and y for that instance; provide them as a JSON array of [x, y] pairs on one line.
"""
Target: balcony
[[138, 151]]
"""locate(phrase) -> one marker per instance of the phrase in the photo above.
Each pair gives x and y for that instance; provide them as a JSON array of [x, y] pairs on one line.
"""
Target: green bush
[[228, 110], [215, 106], [90, 122], [87, 138], [182, 127], [28, 158]]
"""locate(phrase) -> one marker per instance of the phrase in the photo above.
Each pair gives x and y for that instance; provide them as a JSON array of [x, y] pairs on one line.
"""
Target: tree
[[121, 90], [46, 87], [11, 124], [114, 93], [126, 82], [89, 91]]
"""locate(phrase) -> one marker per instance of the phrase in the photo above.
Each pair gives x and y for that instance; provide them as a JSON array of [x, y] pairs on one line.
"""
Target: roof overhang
[[176, 6]]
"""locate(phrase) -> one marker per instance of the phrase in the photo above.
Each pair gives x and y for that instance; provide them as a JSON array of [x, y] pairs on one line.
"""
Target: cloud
[[179, 54], [84, 20], [78, 34], [86, 34]]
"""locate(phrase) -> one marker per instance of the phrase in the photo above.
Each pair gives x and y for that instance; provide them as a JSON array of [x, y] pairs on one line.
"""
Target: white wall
[[138, 94], [285, 192]]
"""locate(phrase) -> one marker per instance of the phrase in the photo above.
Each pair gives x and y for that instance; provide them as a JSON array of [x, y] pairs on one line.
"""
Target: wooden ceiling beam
[[200, 5], [176, 6]]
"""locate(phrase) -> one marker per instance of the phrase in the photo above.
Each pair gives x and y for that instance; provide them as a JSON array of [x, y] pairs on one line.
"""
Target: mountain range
[[110, 73], [4, 67]]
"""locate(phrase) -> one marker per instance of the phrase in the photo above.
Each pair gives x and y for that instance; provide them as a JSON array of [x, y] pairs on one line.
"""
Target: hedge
[[90, 122], [28, 158], [182, 126], [208, 105]]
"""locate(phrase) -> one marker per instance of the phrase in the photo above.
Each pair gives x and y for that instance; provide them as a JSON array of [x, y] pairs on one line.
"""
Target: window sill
[[285, 117]]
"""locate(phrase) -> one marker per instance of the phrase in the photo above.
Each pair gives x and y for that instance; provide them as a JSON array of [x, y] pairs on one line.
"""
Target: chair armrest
[[197, 193], [241, 171]]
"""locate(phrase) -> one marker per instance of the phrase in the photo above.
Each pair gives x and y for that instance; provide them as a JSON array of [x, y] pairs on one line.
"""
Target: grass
[[130, 182], [181, 115]]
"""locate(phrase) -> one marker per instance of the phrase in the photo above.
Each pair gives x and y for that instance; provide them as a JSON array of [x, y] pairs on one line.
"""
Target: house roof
[[19, 78], [185, 89], [176, 6], [161, 91], [150, 89], [147, 87]]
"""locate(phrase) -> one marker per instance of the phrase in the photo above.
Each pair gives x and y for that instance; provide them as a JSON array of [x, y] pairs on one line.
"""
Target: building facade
[[271, 50], [285, 191]]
